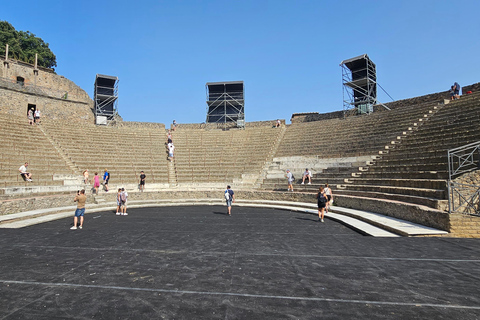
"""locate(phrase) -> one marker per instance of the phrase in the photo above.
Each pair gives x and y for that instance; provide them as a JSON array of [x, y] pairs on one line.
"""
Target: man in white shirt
[[290, 179], [307, 175], [125, 196], [24, 173], [171, 148]]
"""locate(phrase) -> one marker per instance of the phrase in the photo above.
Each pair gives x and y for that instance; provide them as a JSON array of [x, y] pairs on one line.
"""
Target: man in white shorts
[[307, 175], [27, 176]]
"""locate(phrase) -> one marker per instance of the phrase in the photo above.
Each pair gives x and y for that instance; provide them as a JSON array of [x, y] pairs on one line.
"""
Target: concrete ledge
[[398, 226], [284, 200], [394, 226]]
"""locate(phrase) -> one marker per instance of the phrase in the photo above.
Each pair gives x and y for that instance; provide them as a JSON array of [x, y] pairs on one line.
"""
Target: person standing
[[290, 179], [37, 116], [30, 116], [307, 175], [328, 193], [321, 202], [27, 176], [124, 201], [119, 202], [106, 177], [171, 149], [174, 125], [142, 181], [456, 90], [80, 199], [85, 177], [96, 182], [229, 197]]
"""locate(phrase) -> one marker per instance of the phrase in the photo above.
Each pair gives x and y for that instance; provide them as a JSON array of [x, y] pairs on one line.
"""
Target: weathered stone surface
[[55, 96]]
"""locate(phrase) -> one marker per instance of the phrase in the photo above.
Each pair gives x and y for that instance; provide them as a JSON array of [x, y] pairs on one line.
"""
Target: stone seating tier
[[124, 151], [221, 156], [357, 135], [26, 143], [422, 155]]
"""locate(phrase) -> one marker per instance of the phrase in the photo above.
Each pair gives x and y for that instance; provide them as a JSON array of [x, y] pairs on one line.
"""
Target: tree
[[22, 45]]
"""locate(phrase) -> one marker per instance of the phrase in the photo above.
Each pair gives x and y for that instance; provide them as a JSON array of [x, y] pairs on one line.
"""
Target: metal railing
[[462, 197]]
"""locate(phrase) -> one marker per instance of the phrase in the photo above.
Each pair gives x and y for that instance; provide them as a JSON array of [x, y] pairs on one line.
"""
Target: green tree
[[22, 45]]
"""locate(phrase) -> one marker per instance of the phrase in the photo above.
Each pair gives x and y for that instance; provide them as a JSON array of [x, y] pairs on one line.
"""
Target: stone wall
[[228, 125], [419, 214], [55, 96], [33, 203], [315, 116], [437, 97], [140, 125], [429, 98]]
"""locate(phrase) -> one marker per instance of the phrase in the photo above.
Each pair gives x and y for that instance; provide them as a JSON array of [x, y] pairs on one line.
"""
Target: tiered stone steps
[[222, 156], [416, 169], [357, 137], [22, 143], [124, 151]]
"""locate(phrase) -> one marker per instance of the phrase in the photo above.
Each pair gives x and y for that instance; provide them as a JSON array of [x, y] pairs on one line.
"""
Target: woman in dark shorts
[[328, 192], [322, 203]]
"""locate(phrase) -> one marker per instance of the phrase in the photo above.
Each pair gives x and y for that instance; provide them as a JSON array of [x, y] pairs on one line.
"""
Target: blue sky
[[286, 52]]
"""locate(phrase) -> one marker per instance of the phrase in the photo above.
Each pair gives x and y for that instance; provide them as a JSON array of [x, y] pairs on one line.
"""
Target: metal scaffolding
[[359, 79], [105, 98], [226, 102]]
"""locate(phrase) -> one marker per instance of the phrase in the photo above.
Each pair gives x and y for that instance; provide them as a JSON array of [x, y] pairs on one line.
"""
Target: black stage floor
[[197, 263]]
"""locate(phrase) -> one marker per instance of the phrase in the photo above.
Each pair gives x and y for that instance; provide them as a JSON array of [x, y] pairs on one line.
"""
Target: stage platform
[[195, 262]]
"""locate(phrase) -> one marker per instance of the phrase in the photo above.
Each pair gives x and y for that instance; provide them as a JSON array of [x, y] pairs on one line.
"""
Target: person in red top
[[96, 182]]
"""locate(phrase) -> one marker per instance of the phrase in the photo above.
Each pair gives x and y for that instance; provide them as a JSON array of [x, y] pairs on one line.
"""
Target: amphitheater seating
[[124, 151], [22, 143], [222, 156], [353, 136], [416, 169]]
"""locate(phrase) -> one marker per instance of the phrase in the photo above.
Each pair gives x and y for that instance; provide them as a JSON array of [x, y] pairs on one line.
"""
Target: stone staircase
[[124, 151], [415, 170], [217, 156], [172, 174], [25, 143], [337, 149], [269, 163]]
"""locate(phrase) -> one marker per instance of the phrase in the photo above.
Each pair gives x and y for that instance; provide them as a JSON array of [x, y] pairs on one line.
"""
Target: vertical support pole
[[478, 163], [449, 189], [5, 63]]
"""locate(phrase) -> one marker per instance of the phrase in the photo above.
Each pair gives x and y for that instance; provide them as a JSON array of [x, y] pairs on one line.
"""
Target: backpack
[[293, 177], [124, 198], [321, 198], [227, 195]]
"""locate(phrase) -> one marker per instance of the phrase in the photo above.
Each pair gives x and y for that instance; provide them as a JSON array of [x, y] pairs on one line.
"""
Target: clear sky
[[287, 52]]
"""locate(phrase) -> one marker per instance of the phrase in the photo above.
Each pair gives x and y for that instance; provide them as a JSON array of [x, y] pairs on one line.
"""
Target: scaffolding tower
[[226, 102], [359, 79], [105, 98]]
